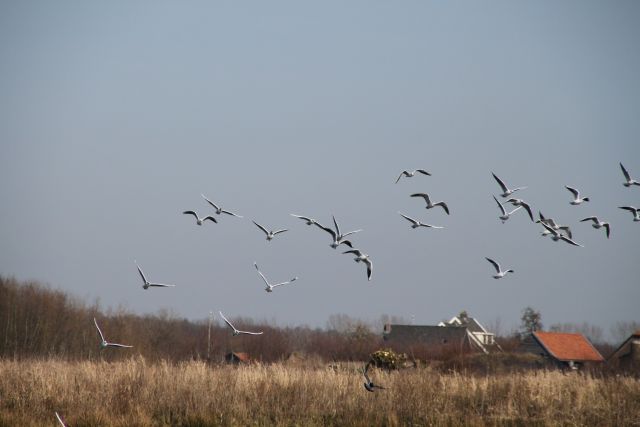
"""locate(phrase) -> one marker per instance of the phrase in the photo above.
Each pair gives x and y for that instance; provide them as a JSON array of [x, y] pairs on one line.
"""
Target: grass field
[[139, 393]]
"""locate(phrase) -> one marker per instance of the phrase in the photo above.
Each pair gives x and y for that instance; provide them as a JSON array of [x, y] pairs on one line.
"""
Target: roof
[[622, 349], [431, 335], [568, 347], [242, 357]]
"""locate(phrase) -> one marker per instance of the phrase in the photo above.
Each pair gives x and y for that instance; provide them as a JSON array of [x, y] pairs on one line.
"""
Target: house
[[237, 358], [460, 333], [564, 349], [627, 356]]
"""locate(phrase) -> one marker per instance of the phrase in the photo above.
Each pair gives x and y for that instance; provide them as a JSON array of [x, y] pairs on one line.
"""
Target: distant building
[[461, 333], [237, 358], [564, 349], [627, 356]]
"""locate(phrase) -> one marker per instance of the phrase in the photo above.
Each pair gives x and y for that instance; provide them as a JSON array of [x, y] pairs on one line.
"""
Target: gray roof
[[430, 335]]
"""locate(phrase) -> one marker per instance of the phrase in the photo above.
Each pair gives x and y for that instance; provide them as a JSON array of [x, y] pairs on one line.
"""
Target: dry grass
[[138, 393]]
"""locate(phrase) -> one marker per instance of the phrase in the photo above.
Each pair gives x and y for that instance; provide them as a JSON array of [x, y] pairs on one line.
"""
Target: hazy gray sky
[[115, 116]]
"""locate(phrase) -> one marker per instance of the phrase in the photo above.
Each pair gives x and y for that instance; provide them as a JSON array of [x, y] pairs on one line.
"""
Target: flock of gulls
[[551, 228]]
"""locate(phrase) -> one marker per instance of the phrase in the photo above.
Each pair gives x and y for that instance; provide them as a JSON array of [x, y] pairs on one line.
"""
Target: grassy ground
[[138, 393]]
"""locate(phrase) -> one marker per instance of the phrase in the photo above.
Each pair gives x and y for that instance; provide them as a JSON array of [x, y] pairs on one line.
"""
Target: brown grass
[[138, 393]]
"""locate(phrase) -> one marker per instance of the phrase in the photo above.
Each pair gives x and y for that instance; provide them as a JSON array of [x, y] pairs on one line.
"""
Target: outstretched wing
[[346, 242], [528, 209], [260, 273], [369, 268], [112, 344], [327, 229], [353, 251], [210, 202], [60, 420], [495, 264], [500, 183], [625, 173], [227, 322], [230, 213], [409, 218], [573, 190], [549, 229], [336, 224], [161, 285], [191, 213], [286, 283], [424, 172], [209, 217], [98, 328], [425, 196], [590, 218], [500, 205], [568, 240], [405, 173], [144, 279], [249, 333], [351, 232], [444, 206], [261, 228], [279, 231]]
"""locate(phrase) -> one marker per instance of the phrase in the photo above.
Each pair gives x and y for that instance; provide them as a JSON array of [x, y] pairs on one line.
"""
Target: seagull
[[218, 209], [551, 223], [555, 235], [506, 192], [369, 385], [630, 181], [597, 224], [104, 343], [236, 331], [270, 234], [505, 216], [338, 238], [199, 220], [270, 287], [310, 221], [520, 202], [416, 223], [499, 273], [60, 420], [410, 174], [147, 283], [634, 211], [430, 205], [361, 257], [576, 196]]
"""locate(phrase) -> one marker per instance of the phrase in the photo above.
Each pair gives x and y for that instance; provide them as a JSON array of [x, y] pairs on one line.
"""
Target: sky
[[116, 116]]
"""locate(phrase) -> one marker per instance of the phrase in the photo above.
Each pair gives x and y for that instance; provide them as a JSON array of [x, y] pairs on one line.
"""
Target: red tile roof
[[566, 347]]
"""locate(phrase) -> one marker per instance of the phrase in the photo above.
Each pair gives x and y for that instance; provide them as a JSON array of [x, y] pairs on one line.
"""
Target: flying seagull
[[147, 283], [499, 273], [270, 287], [430, 205], [556, 235], [415, 223], [199, 220], [270, 233], [520, 202], [361, 257], [104, 343], [505, 215], [634, 211], [338, 237], [236, 331], [310, 221], [598, 224], [630, 181], [410, 174], [576, 196], [368, 384], [60, 420], [506, 192], [218, 209], [551, 223]]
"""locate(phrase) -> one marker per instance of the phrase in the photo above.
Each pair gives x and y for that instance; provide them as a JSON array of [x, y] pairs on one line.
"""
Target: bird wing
[[513, 211], [286, 283], [443, 205], [210, 202], [500, 205], [230, 213], [423, 224], [625, 173], [161, 285], [209, 217], [336, 224], [628, 208], [351, 232], [327, 229], [495, 264], [261, 228], [369, 268], [567, 229], [528, 209], [346, 242], [590, 218], [301, 217], [144, 279], [422, 171], [191, 213], [227, 322], [98, 328], [261, 275], [353, 251], [60, 420], [568, 240], [279, 231], [549, 229], [608, 227], [113, 344], [425, 196], [249, 333], [409, 219], [500, 183], [573, 190], [400, 176]]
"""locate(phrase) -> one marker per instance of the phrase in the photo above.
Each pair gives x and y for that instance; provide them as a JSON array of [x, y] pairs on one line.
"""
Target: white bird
[[199, 220], [60, 420], [368, 384], [218, 209], [520, 202], [634, 211], [505, 215], [499, 273], [598, 224], [338, 237], [236, 331], [410, 174], [147, 283], [556, 235], [310, 221], [551, 223], [430, 205], [104, 343], [506, 192], [630, 181], [361, 257], [415, 223], [270, 287], [270, 233], [576, 196]]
